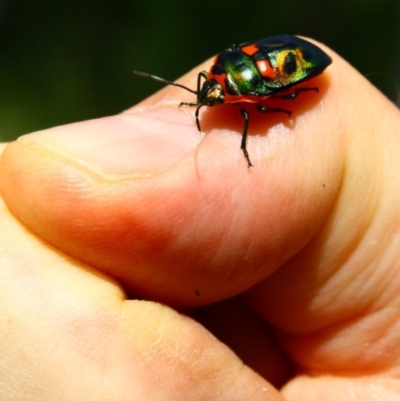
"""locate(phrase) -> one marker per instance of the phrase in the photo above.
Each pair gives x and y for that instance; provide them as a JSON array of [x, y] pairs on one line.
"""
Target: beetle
[[254, 71]]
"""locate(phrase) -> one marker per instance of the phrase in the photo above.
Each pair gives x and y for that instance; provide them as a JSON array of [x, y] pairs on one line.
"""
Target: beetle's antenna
[[164, 81]]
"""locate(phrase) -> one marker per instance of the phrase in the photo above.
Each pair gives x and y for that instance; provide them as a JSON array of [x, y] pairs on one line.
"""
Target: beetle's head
[[211, 93]]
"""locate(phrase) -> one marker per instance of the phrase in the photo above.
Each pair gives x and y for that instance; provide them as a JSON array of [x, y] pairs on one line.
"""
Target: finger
[[336, 301], [331, 388], [67, 333], [190, 232]]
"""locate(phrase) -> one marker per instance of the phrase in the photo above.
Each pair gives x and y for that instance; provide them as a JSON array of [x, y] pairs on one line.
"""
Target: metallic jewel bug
[[254, 71]]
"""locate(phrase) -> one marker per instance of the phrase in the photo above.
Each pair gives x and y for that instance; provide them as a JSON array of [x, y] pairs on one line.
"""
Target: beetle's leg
[[243, 146], [264, 109], [293, 95], [188, 104], [197, 117], [202, 74], [197, 111]]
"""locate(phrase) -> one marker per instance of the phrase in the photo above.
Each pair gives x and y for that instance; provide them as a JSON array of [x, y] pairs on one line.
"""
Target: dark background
[[67, 61]]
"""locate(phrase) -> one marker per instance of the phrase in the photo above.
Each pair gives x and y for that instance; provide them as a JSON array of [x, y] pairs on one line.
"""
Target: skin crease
[[303, 247]]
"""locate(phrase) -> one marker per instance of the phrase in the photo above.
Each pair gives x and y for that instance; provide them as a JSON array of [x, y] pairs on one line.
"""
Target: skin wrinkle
[[366, 353], [349, 251], [225, 239]]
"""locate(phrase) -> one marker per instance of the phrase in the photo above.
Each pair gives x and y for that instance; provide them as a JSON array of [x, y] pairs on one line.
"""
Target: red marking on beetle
[[250, 50], [265, 69]]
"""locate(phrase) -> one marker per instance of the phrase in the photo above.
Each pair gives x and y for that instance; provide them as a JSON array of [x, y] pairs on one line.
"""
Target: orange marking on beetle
[[219, 78], [265, 69], [250, 50]]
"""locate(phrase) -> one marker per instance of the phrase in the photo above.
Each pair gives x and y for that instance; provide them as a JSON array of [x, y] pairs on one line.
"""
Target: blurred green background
[[67, 61]]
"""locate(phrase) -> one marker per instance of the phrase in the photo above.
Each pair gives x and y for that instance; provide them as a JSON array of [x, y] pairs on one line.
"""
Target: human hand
[[134, 203]]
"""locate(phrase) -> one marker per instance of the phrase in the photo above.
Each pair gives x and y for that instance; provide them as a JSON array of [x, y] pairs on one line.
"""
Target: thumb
[[173, 215]]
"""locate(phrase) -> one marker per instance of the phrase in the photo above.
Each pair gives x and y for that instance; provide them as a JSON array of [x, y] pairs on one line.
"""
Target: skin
[[131, 243]]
